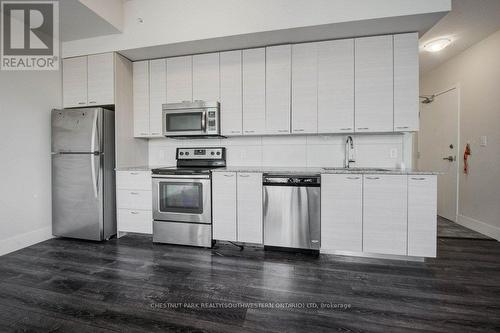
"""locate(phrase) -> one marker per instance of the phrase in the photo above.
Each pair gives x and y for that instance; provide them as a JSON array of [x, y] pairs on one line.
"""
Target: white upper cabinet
[[374, 84], [75, 82], [342, 212], [305, 88], [101, 80], [249, 207], [231, 93], [141, 98], [224, 206], [422, 213], [406, 84], [336, 86], [254, 91], [157, 95], [278, 76], [385, 214], [206, 77], [179, 79]]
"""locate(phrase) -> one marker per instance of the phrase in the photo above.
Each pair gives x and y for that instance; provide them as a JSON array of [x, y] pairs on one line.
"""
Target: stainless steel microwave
[[191, 119]]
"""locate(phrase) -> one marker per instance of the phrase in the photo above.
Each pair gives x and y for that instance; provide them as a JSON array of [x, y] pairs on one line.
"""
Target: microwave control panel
[[211, 120]]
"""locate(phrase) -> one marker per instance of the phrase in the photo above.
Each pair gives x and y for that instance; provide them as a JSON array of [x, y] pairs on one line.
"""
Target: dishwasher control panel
[[283, 180]]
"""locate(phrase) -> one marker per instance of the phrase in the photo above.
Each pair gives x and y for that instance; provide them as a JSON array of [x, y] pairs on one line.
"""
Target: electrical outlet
[[483, 141], [394, 153]]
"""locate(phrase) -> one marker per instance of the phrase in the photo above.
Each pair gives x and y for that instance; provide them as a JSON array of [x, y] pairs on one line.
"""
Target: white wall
[[477, 71], [291, 151], [177, 21], [26, 99]]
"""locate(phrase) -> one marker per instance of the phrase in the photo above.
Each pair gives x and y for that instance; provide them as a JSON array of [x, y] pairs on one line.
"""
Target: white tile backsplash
[[371, 150]]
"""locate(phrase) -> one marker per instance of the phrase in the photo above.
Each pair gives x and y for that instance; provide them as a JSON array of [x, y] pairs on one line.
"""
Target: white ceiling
[[469, 22], [77, 21]]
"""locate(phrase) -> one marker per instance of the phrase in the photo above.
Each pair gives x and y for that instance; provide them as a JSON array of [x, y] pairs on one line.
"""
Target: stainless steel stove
[[182, 197]]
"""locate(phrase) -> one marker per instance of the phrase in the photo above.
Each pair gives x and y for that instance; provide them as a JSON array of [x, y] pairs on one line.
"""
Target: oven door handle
[[182, 176]]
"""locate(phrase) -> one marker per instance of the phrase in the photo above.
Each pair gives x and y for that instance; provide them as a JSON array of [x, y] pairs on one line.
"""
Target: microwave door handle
[[204, 121]]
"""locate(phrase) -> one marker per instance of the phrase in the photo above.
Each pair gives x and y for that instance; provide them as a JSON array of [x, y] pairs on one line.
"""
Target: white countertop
[[296, 170]]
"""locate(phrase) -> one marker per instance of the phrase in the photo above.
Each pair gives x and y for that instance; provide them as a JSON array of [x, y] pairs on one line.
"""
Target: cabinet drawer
[[134, 180], [140, 221], [134, 199]]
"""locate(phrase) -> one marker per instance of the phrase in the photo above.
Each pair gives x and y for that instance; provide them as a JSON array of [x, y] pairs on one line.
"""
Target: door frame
[[456, 86]]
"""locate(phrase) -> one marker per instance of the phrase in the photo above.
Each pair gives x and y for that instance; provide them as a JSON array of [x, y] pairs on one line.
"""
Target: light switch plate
[[394, 153], [483, 141]]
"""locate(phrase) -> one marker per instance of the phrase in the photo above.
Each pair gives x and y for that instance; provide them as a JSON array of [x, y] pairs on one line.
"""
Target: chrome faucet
[[349, 147]]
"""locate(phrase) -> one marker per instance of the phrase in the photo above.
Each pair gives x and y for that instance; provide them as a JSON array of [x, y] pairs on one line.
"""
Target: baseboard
[[24, 240], [479, 226]]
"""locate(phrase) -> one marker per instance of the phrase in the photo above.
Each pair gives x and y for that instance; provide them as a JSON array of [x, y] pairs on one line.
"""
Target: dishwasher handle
[[297, 181]]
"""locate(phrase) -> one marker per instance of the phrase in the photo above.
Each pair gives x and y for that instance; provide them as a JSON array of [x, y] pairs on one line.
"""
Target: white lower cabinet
[[422, 213], [237, 207], [134, 202], [249, 203], [342, 212], [385, 214], [224, 206]]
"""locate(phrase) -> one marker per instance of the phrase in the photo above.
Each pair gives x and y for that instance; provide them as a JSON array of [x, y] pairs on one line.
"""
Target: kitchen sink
[[356, 169]]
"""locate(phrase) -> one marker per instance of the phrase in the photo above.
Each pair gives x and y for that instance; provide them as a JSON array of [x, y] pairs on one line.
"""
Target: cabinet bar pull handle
[[92, 102], [135, 213], [134, 193], [363, 128], [402, 127], [155, 133], [298, 130], [419, 178], [346, 129], [81, 103], [352, 177], [372, 177], [244, 175], [227, 175], [134, 173]]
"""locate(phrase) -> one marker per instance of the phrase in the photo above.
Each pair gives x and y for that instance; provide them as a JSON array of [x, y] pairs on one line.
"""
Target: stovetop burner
[[195, 161]]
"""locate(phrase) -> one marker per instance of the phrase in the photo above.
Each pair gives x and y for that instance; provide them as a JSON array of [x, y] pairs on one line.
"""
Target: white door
[[157, 95], [101, 79], [249, 203], [75, 82], [336, 86], [373, 79], [437, 141], [342, 212], [179, 79], [140, 84], [305, 88], [224, 205], [278, 75], [254, 91], [206, 77], [230, 93]]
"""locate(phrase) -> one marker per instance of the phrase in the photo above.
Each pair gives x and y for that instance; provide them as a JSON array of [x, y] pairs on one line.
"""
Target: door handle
[[204, 121], [449, 158]]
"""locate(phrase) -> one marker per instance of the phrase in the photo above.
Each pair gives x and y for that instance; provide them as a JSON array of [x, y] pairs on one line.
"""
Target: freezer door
[[77, 196], [77, 130]]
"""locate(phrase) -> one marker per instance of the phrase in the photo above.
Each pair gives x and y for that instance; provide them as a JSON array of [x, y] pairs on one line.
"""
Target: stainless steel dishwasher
[[292, 211]]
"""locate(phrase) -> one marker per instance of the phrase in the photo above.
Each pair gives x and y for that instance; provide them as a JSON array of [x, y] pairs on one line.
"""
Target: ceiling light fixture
[[437, 44]]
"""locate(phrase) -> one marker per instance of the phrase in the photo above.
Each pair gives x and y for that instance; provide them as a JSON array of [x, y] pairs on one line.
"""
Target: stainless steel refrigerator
[[83, 177]]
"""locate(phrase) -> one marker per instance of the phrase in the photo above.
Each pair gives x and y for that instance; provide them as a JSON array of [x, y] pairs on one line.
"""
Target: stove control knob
[[218, 153], [212, 153], [187, 153], [181, 153]]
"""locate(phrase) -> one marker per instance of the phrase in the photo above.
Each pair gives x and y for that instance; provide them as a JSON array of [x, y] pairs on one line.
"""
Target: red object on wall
[[466, 157]]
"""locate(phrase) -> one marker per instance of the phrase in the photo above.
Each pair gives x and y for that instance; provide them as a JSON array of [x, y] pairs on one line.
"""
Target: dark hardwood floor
[[450, 229], [126, 285]]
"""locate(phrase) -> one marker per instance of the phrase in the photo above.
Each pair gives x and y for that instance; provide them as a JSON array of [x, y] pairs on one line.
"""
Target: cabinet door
[[406, 84], [179, 79], [157, 95], [224, 205], [101, 79], [75, 82], [422, 212], [336, 86], [373, 84], [304, 88], [385, 214], [140, 221], [141, 98], [254, 91], [278, 76], [231, 93], [341, 212], [249, 198], [206, 77]]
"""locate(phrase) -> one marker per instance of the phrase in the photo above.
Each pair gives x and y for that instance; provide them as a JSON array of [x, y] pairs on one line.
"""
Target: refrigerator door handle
[[95, 177]]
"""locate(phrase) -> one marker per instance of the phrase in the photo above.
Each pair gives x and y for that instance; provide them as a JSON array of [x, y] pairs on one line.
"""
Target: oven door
[[182, 199], [184, 122]]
